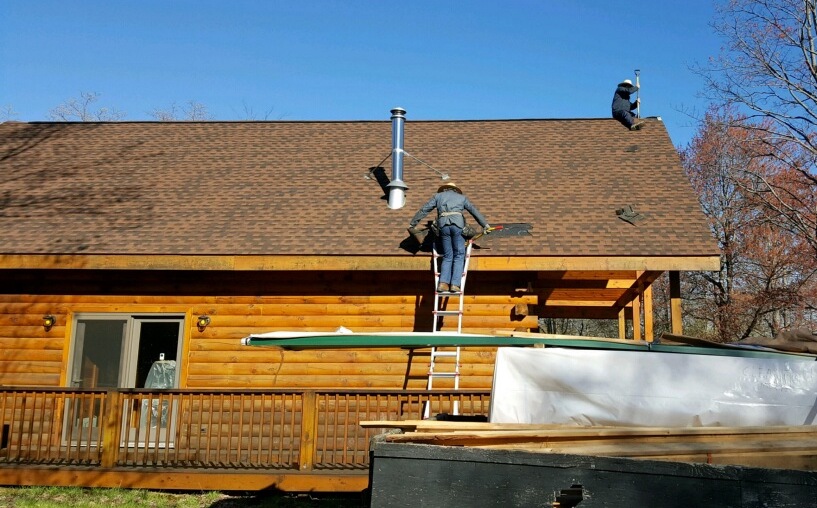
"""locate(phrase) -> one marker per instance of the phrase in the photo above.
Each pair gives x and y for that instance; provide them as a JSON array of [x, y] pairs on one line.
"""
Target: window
[[118, 351]]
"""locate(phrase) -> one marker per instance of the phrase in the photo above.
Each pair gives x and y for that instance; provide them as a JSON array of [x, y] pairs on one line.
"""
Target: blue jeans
[[625, 117], [453, 251]]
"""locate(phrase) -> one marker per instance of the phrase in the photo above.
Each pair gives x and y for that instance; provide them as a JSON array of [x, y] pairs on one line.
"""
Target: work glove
[[486, 230]]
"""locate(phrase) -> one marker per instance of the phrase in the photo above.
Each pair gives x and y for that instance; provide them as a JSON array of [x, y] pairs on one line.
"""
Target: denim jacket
[[449, 205]]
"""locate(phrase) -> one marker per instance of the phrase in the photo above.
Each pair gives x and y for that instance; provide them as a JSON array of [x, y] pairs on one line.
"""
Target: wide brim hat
[[449, 186]]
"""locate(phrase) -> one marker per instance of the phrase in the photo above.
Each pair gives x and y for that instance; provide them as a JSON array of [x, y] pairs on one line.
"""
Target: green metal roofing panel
[[298, 341]]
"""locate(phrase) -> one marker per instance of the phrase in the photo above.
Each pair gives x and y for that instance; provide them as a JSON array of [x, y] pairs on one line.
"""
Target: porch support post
[[111, 423], [622, 324], [637, 309], [676, 322], [648, 317]]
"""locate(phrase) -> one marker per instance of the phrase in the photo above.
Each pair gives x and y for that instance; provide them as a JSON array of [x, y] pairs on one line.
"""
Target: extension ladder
[[439, 313]]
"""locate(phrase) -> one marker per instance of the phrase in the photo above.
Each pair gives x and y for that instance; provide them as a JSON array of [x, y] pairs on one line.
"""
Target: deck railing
[[288, 430]]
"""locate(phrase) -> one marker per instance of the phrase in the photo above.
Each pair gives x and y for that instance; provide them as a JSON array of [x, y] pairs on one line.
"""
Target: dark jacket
[[621, 99]]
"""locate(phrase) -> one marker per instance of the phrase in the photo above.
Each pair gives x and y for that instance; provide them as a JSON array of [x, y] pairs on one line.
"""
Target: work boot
[[638, 123], [443, 288], [455, 289]]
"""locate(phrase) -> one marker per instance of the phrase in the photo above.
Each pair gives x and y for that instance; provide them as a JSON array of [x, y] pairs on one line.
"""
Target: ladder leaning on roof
[[439, 313]]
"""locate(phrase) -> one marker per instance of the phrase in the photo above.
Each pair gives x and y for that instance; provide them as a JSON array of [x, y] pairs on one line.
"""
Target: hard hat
[[626, 82]]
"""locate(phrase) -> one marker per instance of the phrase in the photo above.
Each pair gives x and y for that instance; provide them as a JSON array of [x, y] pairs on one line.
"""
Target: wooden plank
[[40, 304], [388, 263], [382, 381], [588, 275], [591, 295], [31, 355], [31, 342], [548, 304], [648, 314], [575, 312], [309, 427], [666, 449], [363, 356], [30, 366], [442, 425], [28, 379], [591, 263], [228, 479], [330, 370], [636, 321], [600, 430], [271, 315], [356, 323]]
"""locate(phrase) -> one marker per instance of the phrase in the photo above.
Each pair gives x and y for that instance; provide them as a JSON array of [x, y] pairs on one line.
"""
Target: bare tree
[[192, 111], [767, 275], [250, 114], [7, 113], [768, 67], [81, 109]]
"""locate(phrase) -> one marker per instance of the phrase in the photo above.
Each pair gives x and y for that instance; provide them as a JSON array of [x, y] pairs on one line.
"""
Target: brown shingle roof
[[299, 188]]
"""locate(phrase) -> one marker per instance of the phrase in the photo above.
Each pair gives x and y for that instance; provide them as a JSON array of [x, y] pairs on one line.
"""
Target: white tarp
[[603, 387]]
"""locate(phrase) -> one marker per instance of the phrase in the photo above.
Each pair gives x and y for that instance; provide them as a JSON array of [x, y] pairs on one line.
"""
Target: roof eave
[[707, 262]]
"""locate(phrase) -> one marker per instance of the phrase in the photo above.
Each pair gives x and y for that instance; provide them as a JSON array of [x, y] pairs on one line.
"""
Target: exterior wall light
[[49, 321], [202, 322]]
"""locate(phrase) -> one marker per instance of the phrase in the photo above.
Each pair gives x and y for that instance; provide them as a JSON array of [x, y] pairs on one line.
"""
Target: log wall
[[242, 303]]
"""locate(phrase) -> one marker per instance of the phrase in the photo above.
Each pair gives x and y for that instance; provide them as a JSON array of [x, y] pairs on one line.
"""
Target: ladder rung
[[443, 353], [447, 312], [443, 374]]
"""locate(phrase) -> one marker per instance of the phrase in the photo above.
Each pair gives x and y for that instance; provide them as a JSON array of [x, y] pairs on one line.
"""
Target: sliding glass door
[[124, 351]]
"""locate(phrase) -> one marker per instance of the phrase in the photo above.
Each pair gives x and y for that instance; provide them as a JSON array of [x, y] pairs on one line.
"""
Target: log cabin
[[132, 252]]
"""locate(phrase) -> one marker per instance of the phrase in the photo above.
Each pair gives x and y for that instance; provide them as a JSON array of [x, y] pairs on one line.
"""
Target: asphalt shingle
[[301, 188]]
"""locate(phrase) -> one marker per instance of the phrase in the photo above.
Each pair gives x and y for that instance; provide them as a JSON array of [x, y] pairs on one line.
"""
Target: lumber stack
[[789, 447]]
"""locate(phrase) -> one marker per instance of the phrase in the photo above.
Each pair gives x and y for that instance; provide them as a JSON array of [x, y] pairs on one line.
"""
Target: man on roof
[[623, 108], [450, 204]]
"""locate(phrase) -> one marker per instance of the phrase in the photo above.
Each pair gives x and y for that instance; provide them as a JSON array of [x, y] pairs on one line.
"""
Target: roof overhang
[[391, 263]]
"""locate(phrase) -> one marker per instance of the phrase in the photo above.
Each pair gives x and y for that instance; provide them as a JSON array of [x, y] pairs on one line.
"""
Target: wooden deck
[[289, 440]]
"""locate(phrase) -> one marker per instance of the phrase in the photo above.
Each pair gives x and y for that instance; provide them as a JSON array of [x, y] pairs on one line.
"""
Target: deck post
[[637, 317], [676, 321], [648, 314], [309, 427], [111, 423]]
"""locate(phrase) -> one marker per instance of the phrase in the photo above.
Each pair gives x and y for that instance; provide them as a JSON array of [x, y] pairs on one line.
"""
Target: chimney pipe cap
[[398, 111]]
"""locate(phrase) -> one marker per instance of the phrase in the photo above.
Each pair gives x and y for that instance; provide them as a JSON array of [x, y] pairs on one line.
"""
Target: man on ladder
[[450, 204], [448, 228]]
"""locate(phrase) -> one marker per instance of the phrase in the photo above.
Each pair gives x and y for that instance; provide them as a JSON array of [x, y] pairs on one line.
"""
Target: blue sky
[[355, 60]]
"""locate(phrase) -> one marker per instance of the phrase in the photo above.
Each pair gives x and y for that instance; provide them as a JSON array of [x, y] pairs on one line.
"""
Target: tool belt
[[468, 231]]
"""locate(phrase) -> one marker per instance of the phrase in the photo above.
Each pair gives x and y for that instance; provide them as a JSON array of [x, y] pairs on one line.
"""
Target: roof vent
[[397, 189]]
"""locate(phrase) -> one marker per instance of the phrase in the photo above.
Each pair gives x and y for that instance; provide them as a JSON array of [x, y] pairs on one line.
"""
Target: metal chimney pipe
[[397, 189]]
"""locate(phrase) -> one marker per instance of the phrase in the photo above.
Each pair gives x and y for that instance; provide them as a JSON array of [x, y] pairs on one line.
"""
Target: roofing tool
[[508, 229], [637, 93]]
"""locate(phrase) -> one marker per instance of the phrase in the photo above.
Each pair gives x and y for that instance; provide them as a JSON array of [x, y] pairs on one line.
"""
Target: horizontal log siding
[[241, 303]]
